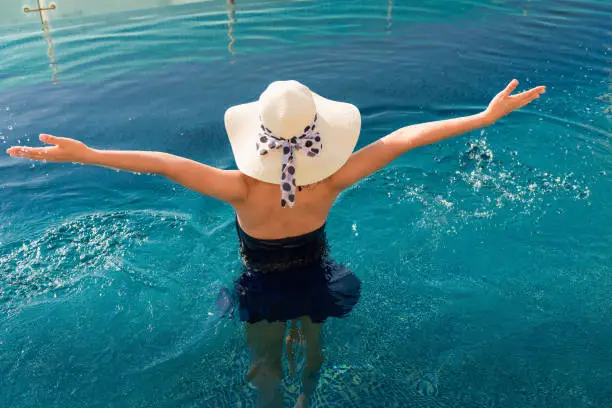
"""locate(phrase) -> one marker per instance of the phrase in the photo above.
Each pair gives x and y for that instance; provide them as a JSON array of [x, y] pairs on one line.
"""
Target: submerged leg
[[266, 342], [314, 359], [293, 342]]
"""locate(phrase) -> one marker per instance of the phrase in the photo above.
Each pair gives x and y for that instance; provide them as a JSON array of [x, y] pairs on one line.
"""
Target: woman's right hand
[[63, 150], [504, 102]]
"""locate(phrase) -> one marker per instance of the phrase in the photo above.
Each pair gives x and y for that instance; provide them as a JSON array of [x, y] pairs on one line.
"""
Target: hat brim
[[339, 124]]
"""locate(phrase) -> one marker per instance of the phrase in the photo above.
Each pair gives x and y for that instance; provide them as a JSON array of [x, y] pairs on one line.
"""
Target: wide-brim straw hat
[[285, 109]]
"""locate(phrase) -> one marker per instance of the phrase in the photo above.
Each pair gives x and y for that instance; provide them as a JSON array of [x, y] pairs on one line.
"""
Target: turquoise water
[[485, 259]]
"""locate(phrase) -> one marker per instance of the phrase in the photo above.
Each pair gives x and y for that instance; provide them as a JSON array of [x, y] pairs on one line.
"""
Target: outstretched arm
[[225, 185], [380, 153]]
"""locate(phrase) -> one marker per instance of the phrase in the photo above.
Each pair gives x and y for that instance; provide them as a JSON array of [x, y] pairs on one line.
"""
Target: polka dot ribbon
[[309, 142]]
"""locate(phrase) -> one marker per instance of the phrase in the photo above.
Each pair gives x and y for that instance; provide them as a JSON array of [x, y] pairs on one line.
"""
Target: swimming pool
[[486, 259]]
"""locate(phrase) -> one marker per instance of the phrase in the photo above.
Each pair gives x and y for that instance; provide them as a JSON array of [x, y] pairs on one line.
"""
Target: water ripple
[[169, 34], [82, 247]]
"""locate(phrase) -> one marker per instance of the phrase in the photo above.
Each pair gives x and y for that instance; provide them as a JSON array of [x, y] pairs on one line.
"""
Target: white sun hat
[[292, 136]]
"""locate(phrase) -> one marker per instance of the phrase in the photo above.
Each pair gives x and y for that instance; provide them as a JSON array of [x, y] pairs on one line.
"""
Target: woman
[[303, 142]]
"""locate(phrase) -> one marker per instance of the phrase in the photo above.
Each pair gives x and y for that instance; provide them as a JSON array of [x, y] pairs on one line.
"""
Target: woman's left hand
[[63, 150]]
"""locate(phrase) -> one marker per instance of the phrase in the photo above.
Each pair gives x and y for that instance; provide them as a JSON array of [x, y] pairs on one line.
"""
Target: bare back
[[262, 216]]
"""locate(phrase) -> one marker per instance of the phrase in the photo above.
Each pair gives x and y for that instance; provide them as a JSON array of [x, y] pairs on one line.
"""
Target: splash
[[484, 185], [87, 246], [515, 182]]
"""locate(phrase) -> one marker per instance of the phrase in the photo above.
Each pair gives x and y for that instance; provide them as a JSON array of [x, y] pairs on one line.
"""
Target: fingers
[[50, 139], [27, 152], [538, 90], [35, 153], [526, 97], [529, 100], [511, 87]]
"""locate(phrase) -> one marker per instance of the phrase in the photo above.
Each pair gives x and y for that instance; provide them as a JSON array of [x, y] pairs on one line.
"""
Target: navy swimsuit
[[287, 278]]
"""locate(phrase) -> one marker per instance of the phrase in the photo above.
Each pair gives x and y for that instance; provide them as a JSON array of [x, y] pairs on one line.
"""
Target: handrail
[[29, 10]]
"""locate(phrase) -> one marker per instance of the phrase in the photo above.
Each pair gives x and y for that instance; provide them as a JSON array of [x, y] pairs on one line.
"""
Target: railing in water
[[42, 10]]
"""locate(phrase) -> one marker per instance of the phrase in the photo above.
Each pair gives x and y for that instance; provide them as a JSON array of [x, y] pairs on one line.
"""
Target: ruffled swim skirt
[[287, 278]]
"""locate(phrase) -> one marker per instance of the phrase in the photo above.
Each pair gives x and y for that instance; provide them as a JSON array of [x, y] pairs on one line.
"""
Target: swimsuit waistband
[[269, 255]]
